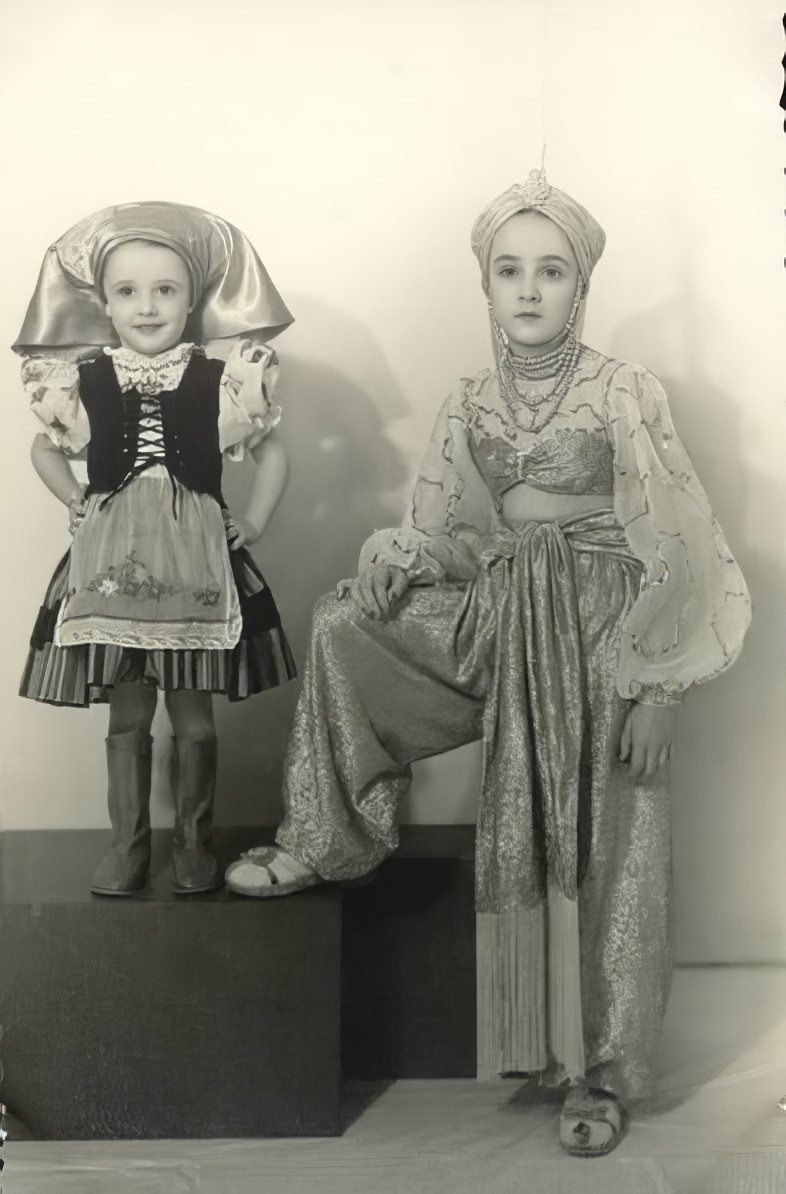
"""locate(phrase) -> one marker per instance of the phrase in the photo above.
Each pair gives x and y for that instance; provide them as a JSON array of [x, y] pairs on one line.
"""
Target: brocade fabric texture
[[535, 637]]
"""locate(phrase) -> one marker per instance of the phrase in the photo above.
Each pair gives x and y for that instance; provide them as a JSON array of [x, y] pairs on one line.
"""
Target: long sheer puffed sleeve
[[451, 514], [693, 609], [52, 386], [246, 412]]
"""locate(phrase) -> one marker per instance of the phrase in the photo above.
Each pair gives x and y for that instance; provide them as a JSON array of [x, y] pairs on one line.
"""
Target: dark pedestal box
[[408, 998], [217, 1016], [162, 1015]]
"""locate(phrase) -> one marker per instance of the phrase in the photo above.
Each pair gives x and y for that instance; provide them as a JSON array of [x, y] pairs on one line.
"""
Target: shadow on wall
[[727, 731], [345, 480]]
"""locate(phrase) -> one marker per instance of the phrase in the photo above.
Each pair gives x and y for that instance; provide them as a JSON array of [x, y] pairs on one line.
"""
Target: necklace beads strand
[[540, 367], [511, 369], [560, 364]]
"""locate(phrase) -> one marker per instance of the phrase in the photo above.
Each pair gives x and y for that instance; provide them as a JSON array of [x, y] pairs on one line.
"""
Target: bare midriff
[[524, 503]]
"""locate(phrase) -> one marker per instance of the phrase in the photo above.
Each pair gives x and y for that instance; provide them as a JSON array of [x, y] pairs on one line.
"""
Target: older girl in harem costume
[[158, 590], [558, 584]]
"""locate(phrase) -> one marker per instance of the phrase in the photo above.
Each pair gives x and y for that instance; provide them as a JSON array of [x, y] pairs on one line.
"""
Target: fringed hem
[[511, 991], [529, 990]]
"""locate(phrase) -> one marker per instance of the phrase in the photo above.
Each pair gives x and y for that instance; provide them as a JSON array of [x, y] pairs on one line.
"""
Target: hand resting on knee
[[377, 590]]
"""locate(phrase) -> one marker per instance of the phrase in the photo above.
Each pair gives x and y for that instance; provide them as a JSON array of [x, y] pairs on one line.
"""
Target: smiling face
[[533, 275], [148, 295]]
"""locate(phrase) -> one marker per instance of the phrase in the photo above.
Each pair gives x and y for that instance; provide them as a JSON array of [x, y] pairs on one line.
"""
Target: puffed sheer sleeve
[[693, 608], [52, 387], [246, 412], [451, 514]]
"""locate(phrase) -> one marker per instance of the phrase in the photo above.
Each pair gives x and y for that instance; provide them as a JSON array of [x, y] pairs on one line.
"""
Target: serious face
[[533, 275], [148, 296]]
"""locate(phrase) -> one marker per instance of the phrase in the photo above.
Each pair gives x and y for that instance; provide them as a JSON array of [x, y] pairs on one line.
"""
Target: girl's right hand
[[647, 738], [378, 590]]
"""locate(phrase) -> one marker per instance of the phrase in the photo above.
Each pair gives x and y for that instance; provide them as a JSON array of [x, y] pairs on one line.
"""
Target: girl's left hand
[[240, 534], [648, 738], [77, 508]]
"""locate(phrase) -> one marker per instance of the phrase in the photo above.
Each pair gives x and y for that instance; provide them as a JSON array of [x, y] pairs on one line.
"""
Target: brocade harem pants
[[573, 858]]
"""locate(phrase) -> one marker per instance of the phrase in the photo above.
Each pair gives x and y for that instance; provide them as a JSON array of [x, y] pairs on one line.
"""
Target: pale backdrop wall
[[354, 143]]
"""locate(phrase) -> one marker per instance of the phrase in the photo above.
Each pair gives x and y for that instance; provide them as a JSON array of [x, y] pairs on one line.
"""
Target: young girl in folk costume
[[558, 584], [158, 590]]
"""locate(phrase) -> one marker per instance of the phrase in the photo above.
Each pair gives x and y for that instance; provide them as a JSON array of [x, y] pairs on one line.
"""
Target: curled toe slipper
[[592, 1122], [268, 871]]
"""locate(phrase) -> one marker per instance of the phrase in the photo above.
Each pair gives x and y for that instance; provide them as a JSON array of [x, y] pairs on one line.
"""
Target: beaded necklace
[[515, 371]]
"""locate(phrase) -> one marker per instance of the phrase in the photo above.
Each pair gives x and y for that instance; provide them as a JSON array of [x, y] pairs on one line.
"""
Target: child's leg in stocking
[[124, 868], [191, 714]]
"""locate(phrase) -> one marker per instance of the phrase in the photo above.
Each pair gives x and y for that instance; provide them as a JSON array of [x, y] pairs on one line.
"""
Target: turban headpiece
[[231, 291], [585, 234]]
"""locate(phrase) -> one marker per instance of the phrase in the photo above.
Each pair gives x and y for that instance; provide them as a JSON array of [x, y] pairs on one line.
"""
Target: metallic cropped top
[[576, 461], [567, 450]]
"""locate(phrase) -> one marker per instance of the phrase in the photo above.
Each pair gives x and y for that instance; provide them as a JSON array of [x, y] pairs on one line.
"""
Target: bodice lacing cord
[[150, 451]]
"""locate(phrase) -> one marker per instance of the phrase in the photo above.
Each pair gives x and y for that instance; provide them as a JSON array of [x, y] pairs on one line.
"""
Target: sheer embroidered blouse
[[247, 412], [611, 434]]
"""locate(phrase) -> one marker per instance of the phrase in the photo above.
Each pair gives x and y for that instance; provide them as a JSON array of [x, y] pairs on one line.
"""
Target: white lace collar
[[151, 375]]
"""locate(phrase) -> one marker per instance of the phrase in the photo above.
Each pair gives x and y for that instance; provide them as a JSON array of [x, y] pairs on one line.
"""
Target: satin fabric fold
[[233, 293]]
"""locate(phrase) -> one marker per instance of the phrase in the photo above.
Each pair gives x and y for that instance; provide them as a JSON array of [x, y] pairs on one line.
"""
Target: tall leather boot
[[123, 869], [194, 868]]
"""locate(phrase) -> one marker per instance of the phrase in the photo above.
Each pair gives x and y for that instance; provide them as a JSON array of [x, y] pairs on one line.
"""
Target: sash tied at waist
[[523, 621]]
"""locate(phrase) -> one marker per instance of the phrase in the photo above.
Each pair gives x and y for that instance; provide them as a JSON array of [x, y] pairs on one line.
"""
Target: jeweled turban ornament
[[535, 190]]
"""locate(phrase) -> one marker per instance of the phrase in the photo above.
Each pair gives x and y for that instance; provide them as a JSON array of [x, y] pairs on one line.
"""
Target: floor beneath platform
[[715, 1129]]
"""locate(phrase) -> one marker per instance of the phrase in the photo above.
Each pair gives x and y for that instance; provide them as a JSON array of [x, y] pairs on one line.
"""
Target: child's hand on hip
[[77, 508], [240, 534]]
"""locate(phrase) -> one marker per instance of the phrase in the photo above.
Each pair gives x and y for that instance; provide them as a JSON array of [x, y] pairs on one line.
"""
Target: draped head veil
[[231, 290]]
